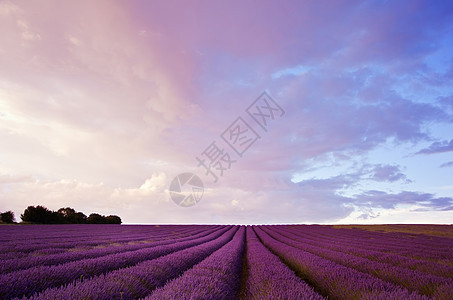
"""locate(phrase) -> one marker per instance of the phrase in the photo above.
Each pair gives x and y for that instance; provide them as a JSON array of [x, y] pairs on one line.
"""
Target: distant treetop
[[7, 217], [67, 215]]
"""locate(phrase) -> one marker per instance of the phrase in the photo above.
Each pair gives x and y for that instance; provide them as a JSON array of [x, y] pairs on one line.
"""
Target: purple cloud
[[447, 101], [447, 164], [380, 199], [438, 147], [389, 173]]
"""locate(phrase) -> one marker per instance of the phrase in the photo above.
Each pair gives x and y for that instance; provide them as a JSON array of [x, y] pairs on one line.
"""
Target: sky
[[329, 112]]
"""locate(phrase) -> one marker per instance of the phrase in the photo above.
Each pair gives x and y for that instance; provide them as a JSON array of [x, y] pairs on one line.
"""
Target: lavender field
[[226, 262]]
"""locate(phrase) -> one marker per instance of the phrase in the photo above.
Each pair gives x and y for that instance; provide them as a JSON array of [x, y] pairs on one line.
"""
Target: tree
[[7, 217], [95, 219], [79, 218], [99, 219], [39, 214], [65, 215], [66, 212], [68, 215], [112, 219]]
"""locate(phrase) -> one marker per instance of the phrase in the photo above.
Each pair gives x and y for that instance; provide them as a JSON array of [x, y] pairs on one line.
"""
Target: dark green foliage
[[98, 219], [7, 217], [68, 215], [65, 215], [39, 214], [112, 219]]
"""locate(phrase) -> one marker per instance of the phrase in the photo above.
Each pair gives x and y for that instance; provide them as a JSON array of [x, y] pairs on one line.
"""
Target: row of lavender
[[80, 249], [229, 262], [425, 256], [316, 262], [21, 241], [140, 280], [418, 246], [65, 269]]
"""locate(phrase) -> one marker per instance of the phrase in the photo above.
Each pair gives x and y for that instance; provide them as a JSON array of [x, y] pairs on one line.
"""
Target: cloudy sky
[[103, 103]]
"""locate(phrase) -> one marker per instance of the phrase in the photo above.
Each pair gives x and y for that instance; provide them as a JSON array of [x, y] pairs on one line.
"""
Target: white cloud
[[8, 8], [294, 71]]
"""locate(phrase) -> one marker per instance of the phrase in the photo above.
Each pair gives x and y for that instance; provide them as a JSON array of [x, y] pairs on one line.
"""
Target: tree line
[[67, 215]]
